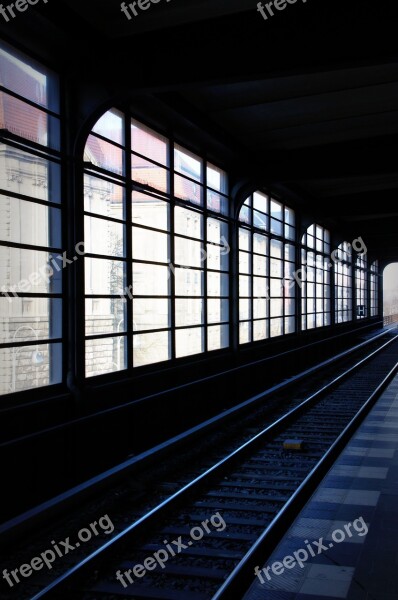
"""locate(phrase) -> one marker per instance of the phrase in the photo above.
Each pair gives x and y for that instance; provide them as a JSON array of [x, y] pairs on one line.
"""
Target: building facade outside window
[[266, 268], [157, 241], [31, 243], [343, 283], [316, 274], [157, 250]]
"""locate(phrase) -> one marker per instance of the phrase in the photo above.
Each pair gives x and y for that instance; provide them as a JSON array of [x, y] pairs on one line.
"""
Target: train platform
[[343, 544]]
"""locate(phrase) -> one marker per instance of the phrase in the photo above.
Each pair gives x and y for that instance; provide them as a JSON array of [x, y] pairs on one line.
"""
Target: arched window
[[343, 283], [374, 289], [315, 278], [31, 245], [266, 262], [157, 264], [361, 286]]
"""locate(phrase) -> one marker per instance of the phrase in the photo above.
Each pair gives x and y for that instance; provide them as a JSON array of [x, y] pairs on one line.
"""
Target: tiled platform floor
[[362, 489]]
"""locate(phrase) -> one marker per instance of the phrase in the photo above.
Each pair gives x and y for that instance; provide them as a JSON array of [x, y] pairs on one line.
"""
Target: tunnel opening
[[390, 293]]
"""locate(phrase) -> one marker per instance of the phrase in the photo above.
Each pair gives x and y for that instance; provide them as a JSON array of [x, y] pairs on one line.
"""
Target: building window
[[266, 269], [343, 283], [30, 225], [374, 289], [315, 277], [361, 286], [157, 252]]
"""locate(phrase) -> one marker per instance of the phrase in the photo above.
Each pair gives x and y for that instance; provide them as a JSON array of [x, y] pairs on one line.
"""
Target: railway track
[[203, 540]]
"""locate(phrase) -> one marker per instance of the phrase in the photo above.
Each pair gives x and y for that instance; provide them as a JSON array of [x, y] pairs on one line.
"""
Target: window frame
[[173, 202], [54, 345]]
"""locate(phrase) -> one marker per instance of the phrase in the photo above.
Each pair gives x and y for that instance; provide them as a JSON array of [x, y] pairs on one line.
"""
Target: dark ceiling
[[309, 96]]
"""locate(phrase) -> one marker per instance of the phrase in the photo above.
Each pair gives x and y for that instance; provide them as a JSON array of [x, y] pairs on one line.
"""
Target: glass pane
[[244, 309], [260, 287], [146, 172], [25, 77], [276, 288], [187, 163], [216, 178], [217, 311], [260, 202], [276, 227], [276, 307], [110, 126], [217, 337], [151, 313], [276, 210], [103, 198], [290, 325], [150, 211], [104, 155], [217, 258], [29, 223], [217, 284], [105, 315], [217, 232], [29, 122], [189, 341], [260, 308], [28, 367], [260, 265], [290, 253], [29, 319], [150, 245], [260, 221], [245, 214], [244, 239], [260, 330], [188, 282], [149, 143], [188, 312], [276, 249], [28, 271], [30, 175], [105, 355], [276, 327], [104, 277], [289, 216], [149, 348], [189, 252], [188, 222], [244, 263], [150, 280], [103, 237], [260, 244], [188, 190], [244, 285], [217, 203], [290, 307], [276, 267], [244, 332], [289, 270], [290, 232]]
